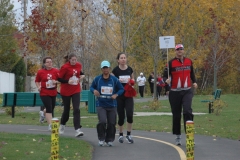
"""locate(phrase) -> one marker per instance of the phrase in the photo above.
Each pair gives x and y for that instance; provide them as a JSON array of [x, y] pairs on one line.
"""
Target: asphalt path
[[147, 145]]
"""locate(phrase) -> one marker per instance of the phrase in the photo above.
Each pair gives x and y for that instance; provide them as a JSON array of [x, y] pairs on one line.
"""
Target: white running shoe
[[110, 144], [41, 116], [61, 129], [49, 127], [101, 143], [120, 139], [129, 139], [178, 141], [78, 133]]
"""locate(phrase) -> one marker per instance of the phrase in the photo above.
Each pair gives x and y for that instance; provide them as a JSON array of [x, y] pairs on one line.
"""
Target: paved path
[[148, 145]]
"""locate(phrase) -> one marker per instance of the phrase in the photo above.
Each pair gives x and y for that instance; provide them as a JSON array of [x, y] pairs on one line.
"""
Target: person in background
[[160, 85], [151, 82], [141, 80], [106, 88], [183, 78], [69, 76], [46, 82], [125, 105]]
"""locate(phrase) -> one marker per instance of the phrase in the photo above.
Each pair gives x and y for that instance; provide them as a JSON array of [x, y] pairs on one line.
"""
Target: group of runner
[[114, 94]]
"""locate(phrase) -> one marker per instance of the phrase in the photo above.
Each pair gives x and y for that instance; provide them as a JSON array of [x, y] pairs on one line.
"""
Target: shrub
[[218, 106], [155, 104]]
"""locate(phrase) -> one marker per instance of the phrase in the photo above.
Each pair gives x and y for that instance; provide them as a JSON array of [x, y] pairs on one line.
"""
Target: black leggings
[[151, 87], [76, 111], [141, 90], [125, 103], [49, 103], [159, 90]]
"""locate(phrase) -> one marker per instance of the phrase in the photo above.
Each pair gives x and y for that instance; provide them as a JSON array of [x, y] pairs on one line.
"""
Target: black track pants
[[180, 101]]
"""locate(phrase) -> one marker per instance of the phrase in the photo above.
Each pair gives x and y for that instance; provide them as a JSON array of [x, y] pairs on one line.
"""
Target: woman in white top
[[141, 80]]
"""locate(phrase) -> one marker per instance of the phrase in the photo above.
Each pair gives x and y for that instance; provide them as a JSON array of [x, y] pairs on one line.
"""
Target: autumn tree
[[219, 40], [8, 44], [41, 30]]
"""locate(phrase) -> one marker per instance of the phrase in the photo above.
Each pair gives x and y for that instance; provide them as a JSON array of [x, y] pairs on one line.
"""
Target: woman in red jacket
[[69, 76], [46, 82]]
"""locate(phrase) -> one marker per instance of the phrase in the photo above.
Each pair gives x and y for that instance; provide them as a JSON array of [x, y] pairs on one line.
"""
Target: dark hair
[[69, 56], [119, 54], [66, 58], [44, 59]]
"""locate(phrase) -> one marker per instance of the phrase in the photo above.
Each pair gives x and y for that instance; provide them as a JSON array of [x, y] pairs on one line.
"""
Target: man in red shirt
[[180, 95]]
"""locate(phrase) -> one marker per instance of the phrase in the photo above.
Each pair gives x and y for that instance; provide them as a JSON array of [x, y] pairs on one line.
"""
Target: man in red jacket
[[180, 96]]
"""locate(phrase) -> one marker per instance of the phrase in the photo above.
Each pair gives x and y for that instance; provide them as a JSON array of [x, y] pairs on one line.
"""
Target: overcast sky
[[17, 8]]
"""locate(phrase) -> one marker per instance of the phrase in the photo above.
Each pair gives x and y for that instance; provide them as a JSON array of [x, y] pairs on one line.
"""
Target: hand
[[39, 88], [54, 81], [82, 76], [114, 96], [70, 81], [195, 85], [96, 93], [168, 81], [78, 80]]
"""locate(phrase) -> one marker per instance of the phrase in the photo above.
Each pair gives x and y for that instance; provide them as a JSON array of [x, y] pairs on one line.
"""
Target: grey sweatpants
[[106, 126]]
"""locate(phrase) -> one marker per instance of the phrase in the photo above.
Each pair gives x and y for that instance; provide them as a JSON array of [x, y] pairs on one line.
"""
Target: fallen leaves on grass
[[152, 130], [41, 139]]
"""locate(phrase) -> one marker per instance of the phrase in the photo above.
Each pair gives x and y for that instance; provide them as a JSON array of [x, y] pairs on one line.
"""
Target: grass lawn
[[225, 125], [13, 146]]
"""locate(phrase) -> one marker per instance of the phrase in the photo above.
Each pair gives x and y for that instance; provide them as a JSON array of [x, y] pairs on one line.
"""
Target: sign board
[[167, 42]]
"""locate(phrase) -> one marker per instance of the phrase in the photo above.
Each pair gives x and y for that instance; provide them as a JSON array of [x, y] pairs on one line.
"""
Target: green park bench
[[32, 99], [216, 96]]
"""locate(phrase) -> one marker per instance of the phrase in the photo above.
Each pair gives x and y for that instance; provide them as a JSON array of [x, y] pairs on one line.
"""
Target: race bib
[[124, 79], [106, 90], [50, 84], [74, 79]]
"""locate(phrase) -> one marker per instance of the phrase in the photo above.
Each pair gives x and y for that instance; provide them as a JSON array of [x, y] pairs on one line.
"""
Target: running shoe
[[110, 144], [78, 133], [41, 117], [178, 141], [101, 143], [120, 139], [61, 129], [49, 127], [129, 139]]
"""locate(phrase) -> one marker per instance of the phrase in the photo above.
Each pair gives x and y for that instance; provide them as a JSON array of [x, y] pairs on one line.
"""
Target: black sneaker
[[120, 139], [129, 139]]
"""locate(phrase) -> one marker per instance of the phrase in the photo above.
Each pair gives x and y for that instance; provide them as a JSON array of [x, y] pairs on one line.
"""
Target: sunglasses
[[179, 49]]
